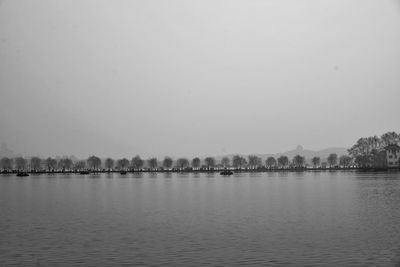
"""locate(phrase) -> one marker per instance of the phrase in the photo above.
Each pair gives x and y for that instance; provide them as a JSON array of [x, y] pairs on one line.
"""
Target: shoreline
[[214, 170]]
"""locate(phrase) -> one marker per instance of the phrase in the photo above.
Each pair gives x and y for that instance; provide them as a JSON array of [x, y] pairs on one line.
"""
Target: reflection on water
[[152, 174], [94, 175], [277, 218], [137, 174]]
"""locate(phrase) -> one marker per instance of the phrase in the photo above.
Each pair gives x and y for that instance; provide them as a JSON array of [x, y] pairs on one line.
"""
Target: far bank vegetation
[[367, 152]]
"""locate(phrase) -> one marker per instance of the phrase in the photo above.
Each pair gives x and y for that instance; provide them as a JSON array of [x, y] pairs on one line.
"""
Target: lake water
[[255, 219]]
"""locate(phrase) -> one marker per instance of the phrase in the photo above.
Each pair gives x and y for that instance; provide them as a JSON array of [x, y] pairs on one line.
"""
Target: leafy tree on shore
[[361, 152], [363, 161], [298, 161], [122, 164], [182, 163], [109, 163], [270, 162], [210, 162], [332, 159], [239, 161], [365, 145], [51, 164], [225, 161], [316, 161], [390, 138], [254, 161], [283, 161], [196, 162], [361, 148], [137, 163], [94, 162], [167, 162], [368, 151], [6, 164], [345, 161], [153, 164], [20, 163], [36, 163]]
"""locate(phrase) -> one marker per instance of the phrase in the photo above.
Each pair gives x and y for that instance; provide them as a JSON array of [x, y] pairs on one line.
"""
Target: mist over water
[[270, 219]]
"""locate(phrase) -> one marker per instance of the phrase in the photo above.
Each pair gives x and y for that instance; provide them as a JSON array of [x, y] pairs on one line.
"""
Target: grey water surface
[[168, 219]]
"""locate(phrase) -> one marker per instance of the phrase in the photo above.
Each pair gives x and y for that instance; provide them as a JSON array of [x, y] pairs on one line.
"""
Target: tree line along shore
[[367, 153]]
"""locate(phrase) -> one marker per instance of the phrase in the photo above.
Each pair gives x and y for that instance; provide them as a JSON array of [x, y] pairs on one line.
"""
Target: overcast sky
[[187, 78]]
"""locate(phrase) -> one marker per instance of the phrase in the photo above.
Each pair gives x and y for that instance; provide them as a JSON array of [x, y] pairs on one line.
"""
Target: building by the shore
[[393, 155]]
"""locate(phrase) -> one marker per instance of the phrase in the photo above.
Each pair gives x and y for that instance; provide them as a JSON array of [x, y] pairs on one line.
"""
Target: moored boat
[[22, 174], [226, 172]]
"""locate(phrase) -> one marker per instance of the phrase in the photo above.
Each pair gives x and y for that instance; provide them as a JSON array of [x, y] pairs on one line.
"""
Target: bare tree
[[254, 161], [65, 164], [153, 164], [137, 163], [236, 161], [316, 161], [298, 161], [210, 162], [109, 163], [283, 161], [225, 161], [167, 162], [122, 164], [36, 164], [51, 164], [182, 163], [94, 162], [332, 159], [80, 165], [20, 163], [68, 163], [196, 162], [6, 164], [270, 162], [239, 161]]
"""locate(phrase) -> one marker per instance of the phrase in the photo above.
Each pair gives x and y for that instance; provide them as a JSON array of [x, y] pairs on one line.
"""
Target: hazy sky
[[155, 78]]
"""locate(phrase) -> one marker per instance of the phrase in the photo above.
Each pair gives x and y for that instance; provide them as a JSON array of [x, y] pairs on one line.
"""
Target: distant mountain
[[308, 154]]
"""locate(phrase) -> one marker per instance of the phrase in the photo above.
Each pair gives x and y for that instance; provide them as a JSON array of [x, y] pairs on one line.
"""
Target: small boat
[[226, 172], [22, 174], [123, 172], [84, 172]]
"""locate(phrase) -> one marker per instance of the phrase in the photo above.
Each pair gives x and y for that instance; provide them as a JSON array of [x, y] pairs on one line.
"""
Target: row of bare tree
[[368, 151], [36, 164]]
